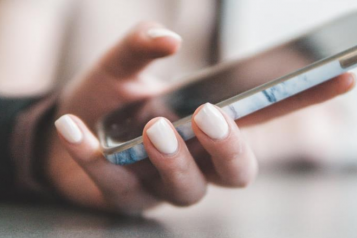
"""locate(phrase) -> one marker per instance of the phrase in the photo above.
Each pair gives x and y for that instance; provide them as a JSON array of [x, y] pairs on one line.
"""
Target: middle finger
[[181, 181], [234, 162]]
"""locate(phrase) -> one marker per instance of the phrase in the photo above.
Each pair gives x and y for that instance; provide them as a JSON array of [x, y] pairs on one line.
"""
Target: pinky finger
[[111, 181]]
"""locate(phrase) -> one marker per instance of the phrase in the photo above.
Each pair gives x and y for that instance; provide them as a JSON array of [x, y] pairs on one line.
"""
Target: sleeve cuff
[[23, 145]]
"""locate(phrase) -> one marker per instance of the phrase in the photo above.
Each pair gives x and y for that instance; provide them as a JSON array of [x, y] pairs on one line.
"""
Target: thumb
[[146, 42], [115, 79]]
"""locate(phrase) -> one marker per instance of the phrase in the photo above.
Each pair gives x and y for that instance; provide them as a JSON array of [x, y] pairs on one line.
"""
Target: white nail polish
[[163, 137], [160, 32], [69, 129], [211, 121]]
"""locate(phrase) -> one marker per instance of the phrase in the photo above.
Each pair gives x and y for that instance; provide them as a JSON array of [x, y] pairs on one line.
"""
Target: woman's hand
[[177, 172]]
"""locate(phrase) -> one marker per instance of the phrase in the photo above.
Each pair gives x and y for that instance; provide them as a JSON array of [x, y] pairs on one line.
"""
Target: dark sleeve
[[20, 126], [9, 109]]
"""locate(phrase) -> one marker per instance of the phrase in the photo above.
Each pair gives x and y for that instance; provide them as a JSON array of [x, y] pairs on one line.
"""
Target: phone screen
[[127, 123]]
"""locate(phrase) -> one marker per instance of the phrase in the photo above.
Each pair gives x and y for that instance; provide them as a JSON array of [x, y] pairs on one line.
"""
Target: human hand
[[177, 172]]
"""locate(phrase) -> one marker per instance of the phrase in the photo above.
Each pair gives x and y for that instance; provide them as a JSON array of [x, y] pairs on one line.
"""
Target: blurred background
[[46, 43]]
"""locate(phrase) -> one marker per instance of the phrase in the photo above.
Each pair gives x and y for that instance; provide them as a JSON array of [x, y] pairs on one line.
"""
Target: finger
[[118, 188], [146, 42], [233, 160], [181, 182], [118, 78], [318, 94]]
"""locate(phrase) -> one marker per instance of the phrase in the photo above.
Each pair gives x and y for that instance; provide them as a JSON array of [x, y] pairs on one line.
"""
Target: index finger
[[318, 94]]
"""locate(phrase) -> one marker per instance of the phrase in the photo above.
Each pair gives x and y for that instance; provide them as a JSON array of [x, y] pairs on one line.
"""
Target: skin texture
[[82, 175]]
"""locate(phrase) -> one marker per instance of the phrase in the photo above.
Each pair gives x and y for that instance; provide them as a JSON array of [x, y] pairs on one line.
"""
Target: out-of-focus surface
[[283, 204], [253, 25], [31, 33], [46, 43]]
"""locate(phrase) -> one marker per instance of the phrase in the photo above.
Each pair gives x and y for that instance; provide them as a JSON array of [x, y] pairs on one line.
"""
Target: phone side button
[[349, 60]]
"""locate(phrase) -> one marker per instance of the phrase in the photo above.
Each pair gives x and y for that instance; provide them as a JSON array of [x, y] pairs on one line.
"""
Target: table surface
[[313, 204]]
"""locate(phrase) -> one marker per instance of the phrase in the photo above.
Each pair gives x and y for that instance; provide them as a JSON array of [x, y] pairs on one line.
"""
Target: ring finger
[[234, 162], [181, 181]]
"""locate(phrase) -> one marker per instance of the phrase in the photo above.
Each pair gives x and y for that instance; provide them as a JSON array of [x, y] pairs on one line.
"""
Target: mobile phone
[[239, 87]]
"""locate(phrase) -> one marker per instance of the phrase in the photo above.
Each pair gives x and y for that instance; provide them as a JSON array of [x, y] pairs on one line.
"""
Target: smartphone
[[239, 87]]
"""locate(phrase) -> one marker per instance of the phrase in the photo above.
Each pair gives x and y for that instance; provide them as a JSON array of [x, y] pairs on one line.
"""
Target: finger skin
[[137, 50], [117, 78], [318, 94], [234, 162], [181, 182], [118, 190]]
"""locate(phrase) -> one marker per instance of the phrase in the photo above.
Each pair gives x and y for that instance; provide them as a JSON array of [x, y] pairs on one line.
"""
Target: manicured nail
[[69, 129], [160, 32], [211, 121], [163, 137]]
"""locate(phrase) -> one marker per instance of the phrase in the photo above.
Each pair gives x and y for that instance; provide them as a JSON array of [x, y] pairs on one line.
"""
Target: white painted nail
[[69, 129], [163, 137], [211, 121], [160, 32]]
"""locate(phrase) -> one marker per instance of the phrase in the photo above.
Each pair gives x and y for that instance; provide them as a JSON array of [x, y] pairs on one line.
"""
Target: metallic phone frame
[[346, 59]]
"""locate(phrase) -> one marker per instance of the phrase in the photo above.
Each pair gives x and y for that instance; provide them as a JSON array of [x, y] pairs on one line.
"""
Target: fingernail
[[160, 32], [69, 129], [211, 121], [163, 137]]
